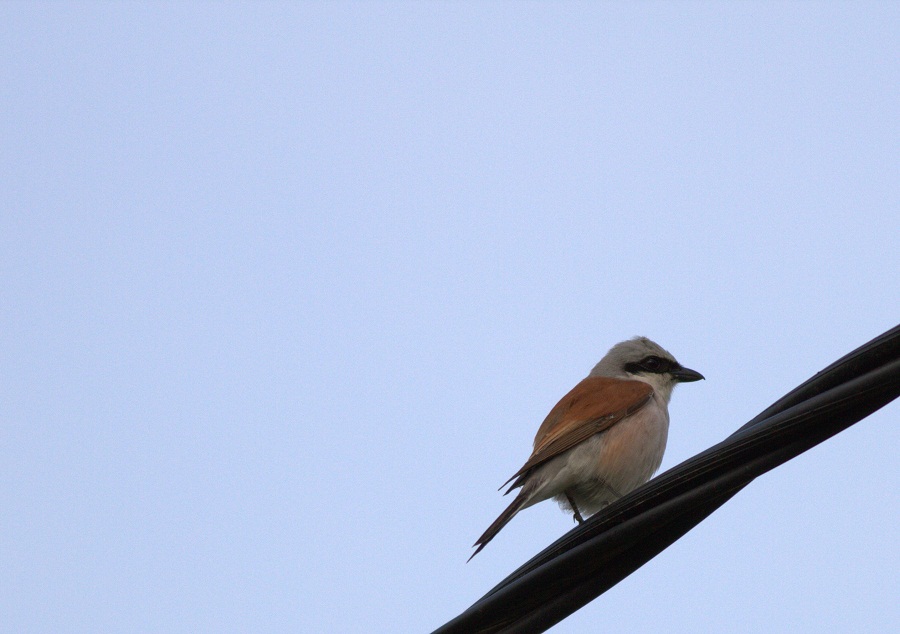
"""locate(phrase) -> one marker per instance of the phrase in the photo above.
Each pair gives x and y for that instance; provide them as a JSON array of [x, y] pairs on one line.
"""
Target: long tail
[[517, 504]]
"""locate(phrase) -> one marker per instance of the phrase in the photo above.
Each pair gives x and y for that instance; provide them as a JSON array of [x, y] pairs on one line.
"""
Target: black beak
[[686, 375]]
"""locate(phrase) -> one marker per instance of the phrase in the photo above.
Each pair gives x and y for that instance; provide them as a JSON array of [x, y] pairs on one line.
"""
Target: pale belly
[[608, 465]]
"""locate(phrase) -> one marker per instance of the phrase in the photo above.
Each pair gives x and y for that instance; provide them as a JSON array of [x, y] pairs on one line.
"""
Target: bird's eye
[[651, 364]]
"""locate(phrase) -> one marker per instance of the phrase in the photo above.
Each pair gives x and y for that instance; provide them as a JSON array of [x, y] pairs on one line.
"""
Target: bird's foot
[[574, 506]]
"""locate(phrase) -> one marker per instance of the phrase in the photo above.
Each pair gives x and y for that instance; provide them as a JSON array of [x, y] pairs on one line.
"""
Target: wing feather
[[593, 406]]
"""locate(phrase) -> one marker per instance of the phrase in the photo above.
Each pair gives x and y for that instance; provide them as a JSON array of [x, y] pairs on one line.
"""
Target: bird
[[603, 439]]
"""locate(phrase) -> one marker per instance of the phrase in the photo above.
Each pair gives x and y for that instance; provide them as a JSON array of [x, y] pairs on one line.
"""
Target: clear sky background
[[287, 289]]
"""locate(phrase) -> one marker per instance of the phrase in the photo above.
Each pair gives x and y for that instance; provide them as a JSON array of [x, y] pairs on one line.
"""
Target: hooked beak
[[686, 375]]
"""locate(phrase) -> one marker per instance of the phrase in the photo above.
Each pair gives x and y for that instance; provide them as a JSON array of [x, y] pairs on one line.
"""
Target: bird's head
[[641, 359]]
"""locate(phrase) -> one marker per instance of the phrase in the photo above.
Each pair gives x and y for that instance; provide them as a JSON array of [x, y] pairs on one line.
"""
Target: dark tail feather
[[503, 520]]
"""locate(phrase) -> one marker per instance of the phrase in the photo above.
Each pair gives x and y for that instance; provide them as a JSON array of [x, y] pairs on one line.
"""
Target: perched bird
[[604, 438]]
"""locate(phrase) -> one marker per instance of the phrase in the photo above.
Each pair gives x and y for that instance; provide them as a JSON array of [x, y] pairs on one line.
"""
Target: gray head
[[644, 360]]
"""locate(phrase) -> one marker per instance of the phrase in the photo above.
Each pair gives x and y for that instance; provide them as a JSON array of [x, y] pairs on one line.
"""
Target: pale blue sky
[[287, 289]]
